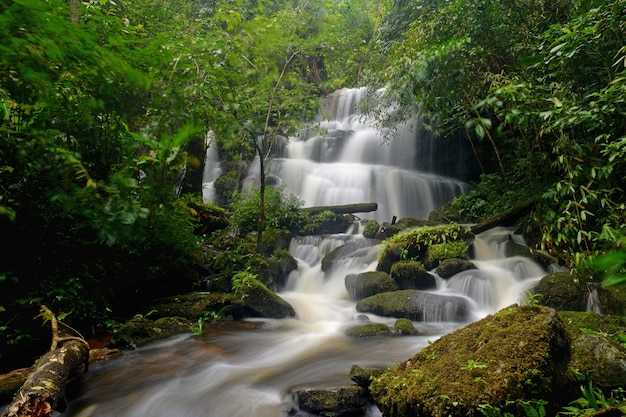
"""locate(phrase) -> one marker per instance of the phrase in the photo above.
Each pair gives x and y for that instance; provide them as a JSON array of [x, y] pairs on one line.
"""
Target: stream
[[250, 368]]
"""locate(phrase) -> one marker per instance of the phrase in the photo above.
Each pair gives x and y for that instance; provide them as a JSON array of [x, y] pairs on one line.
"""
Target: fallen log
[[344, 209], [45, 385], [506, 218]]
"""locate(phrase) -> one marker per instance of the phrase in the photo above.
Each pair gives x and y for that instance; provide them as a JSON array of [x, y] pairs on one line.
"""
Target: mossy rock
[[190, 306], [275, 239], [343, 401], [416, 305], [369, 330], [358, 247], [439, 252], [139, 330], [281, 264], [363, 377], [515, 249], [560, 292], [519, 353], [612, 300], [260, 301], [577, 323], [368, 283], [412, 244], [405, 327], [370, 229], [411, 275], [225, 187], [452, 266], [600, 359]]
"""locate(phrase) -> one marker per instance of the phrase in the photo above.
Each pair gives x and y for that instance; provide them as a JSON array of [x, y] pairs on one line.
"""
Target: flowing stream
[[250, 368]]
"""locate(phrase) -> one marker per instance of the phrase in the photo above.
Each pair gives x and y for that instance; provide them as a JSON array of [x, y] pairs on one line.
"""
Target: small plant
[[531, 299], [210, 316], [242, 282], [472, 365]]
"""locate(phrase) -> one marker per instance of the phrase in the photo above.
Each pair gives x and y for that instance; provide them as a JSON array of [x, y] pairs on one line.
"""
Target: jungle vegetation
[[105, 108]]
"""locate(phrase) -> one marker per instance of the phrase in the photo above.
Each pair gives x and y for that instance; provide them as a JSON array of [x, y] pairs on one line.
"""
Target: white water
[[251, 368]]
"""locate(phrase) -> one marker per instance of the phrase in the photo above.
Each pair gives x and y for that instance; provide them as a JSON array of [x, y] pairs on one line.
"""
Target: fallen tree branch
[[505, 218], [344, 209], [40, 394]]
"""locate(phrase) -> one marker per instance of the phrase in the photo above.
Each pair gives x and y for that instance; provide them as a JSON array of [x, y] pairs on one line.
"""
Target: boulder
[[140, 330], [363, 377], [519, 353], [600, 359], [351, 249], [366, 284], [416, 305], [452, 266], [369, 330], [191, 306], [405, 327], [412, 244], [439, 252], [342, 401], [411, 275], [280, 265], [260, 301], [560, 292]]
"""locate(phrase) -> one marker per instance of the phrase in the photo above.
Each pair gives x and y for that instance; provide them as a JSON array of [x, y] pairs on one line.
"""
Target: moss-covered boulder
[[412, 244], [280, 265], [450, 267], [368, 283], [515, 249], [342, 401], [439, 252], [141, 330], [370, 228], [405, 327], [191, 306], [260, 301], [416, 305], [363, 377], [560, 292], [519, 353], [612, 300], [411, 275], [369, 330]]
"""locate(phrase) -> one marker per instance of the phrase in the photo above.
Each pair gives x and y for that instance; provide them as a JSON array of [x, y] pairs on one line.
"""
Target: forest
[[107, 108]]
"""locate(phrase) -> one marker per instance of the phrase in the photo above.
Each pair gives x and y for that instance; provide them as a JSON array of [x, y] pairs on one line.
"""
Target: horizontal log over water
[[344, 209]]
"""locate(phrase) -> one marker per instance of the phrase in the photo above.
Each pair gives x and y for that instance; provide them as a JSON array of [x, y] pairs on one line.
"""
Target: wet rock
[[515, 249], [369, 330], [281, 264], [191, 306], [519, 353], [412, 244], [600, 359], [560, 292], [439, 252], [405, 327], [353, 248], [141, 330], [450, 267], [343, 401], [259, 301], [363, 377], [411, 275], [366, 284], [416, 305]]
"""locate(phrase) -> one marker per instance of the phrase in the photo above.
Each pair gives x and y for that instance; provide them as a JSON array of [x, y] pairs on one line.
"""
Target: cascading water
[[343, 160], [250, 368]]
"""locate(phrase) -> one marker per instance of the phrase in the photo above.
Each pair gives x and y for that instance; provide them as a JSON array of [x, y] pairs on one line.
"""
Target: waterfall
[[212, 168], [343, 159]]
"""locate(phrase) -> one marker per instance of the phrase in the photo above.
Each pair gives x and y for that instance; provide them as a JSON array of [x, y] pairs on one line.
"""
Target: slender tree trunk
[[261, 219], [75, 11]]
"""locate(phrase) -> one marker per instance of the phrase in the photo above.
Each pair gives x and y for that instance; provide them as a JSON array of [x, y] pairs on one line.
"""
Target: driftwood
[[344, 209], [45, 385], [506, 218]]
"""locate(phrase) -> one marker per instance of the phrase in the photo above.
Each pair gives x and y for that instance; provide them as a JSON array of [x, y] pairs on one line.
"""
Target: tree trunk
[[344, 209], [505, 218], [40, 394]]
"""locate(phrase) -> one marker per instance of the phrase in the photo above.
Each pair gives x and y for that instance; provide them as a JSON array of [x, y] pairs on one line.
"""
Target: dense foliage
[[539, 88]]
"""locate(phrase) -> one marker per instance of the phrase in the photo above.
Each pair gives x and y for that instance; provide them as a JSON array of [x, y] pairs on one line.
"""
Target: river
[[250, 368]]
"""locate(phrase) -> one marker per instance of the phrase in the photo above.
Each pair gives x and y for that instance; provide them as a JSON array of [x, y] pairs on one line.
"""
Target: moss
[[369, 330], [560, 292], [578, 322], [412, 275], [442, 251], [405, 326], [515, 354], [370, 229], [412, 244]]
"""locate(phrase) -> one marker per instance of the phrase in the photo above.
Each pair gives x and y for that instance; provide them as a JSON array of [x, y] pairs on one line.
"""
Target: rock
[[363, 377], [351, 249], [191, 306], [598, 358], [452, 266], [612, 299], [140, 330], [369, 330], [519, 353], [560, 292], [281, 264], [439, 252], [259, 301], [412, 244], [366, 284], [416, 305], [411, 275], [343, 401], [405, 327], [515, 249]]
